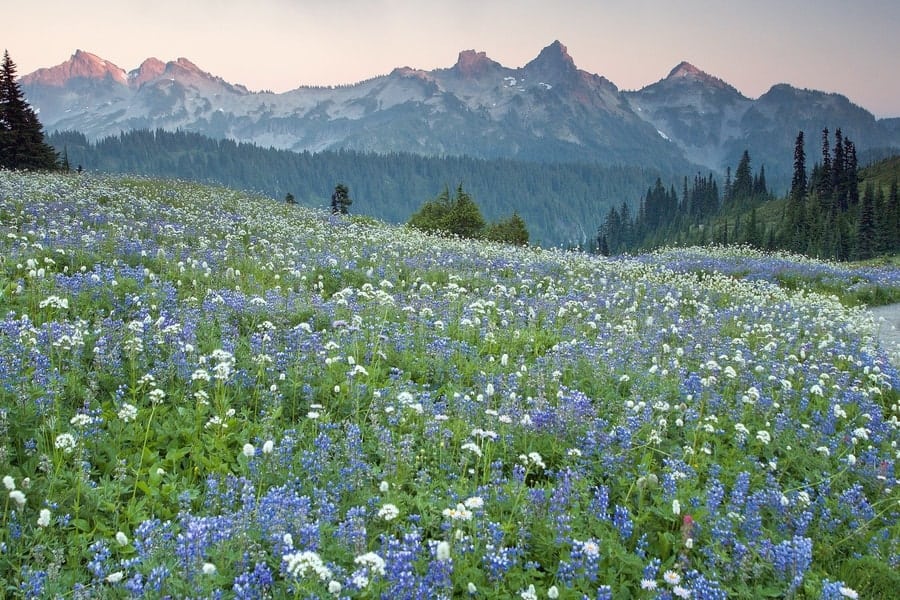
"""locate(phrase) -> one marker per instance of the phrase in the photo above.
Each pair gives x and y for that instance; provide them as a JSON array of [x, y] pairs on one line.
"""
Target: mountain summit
[[472, 64], [552, 64], [685, 69], [81, 65]]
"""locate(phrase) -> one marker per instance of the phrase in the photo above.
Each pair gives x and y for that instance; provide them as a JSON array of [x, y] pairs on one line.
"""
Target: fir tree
[[824, 187], [742, 187], [798, 183], [865, 234], [340, 199], [795, 235], [21, 136], [893, 203]]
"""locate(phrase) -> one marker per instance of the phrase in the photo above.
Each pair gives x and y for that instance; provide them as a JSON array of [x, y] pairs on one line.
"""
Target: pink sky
[[833, 45]]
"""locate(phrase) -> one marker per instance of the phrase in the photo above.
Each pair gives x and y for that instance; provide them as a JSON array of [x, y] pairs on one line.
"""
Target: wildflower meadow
[[205, 394]]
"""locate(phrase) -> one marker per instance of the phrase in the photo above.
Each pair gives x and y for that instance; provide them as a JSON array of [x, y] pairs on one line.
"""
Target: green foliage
[[460, 216], [822, 216], [508, 231], [393, 185], [21, 136], [340, 200]]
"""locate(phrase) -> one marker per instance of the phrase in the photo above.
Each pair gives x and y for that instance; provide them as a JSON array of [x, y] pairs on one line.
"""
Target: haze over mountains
[[548, 111]]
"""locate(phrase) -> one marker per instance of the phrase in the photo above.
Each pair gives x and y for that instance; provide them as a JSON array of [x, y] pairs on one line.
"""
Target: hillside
[[881, 174], [562, 203], [204, 392]]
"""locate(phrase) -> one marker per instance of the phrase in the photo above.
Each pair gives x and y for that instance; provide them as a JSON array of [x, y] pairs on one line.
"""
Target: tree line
[[823, 215], [555, 200], [666, 217]]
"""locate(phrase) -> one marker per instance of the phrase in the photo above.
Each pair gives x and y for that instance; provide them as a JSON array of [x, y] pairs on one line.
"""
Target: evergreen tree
[[760, 187], [465, 216], [893, 203], [851, 172], [798, 183], [509, 231], [340, 199], [865, 234], [728, 193], [742, 187], [459, 216], [824, 184], [838, 176], [21, 135], [795, 234], [602, 245], [883, 224]]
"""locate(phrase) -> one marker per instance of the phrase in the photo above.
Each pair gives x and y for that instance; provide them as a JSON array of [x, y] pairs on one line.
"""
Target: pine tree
[[795, 235], [865, 233], [340, 199], [824, 187], [798, 183], [893, 203], [742, 187], [465, 216], [838, 180], [21, 135]]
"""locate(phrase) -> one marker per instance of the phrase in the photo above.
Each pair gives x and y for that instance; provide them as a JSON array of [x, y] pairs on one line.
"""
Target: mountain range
[[547, 111]]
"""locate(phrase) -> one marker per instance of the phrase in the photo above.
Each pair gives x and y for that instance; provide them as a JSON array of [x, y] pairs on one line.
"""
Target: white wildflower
[[65, 442], [128, 412], [671, 577], [115, 577], [18, 497], [388, 512], [44, 518], [374, 563], [529, 594], [442, 552]]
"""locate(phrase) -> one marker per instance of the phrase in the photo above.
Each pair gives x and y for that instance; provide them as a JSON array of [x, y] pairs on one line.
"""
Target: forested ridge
[[836, 209], [562, 204]]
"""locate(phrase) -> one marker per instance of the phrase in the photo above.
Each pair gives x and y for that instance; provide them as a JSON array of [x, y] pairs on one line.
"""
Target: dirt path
[[888, 320]]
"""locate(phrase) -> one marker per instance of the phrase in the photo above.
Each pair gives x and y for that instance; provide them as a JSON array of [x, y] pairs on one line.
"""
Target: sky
[[847, 46]]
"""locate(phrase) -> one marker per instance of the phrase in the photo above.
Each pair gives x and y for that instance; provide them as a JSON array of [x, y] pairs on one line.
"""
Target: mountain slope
[[548, 110]]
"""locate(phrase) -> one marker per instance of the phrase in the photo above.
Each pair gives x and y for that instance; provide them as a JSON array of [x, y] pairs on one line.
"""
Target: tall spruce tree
[[866, 235], [21, 136], [742, 187], [824, 176], [796, 226]]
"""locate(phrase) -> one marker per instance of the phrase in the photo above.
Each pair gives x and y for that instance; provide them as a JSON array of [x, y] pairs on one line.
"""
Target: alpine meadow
[[208, 394]]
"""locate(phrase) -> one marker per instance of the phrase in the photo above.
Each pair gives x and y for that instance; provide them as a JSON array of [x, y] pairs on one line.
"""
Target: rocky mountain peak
[[82, 65], [473, 64], [552, 65], [685, 69], [556, 55], [149, 70]]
